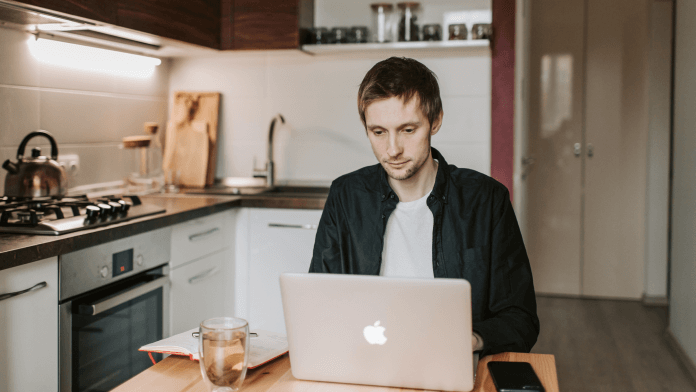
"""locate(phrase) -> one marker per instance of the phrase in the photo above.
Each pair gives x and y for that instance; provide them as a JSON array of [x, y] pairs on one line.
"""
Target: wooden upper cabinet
[[266, 24], [217, 24], [99, 10], [193, 21]]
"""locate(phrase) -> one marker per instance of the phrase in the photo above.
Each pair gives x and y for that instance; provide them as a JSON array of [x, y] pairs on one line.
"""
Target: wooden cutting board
[[191, 141]]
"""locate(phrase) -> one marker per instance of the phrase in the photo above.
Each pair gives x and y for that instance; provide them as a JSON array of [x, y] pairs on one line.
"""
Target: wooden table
[[180, 374]]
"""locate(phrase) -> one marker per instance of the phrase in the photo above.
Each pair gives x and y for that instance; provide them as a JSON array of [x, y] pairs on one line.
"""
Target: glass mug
[[223, 347]]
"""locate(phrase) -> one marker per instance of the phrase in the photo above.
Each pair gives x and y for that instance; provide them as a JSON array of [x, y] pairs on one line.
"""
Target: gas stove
[[60, 215]]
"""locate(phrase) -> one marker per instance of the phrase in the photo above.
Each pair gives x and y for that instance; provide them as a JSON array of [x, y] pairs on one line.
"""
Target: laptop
[[395, 332]]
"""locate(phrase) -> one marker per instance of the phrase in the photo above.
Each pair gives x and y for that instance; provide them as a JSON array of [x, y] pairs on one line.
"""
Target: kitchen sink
[[243, 189]]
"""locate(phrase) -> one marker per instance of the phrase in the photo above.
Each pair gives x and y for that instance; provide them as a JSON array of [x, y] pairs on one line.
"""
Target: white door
[[555, 122], [616, 150]]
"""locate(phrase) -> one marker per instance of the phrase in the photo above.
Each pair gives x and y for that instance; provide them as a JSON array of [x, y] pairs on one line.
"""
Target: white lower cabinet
[[198, 291], [29, 328], [279, 240]]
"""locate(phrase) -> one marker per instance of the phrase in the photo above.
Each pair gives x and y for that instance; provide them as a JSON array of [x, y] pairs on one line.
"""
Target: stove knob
[[125, 205], [105, 209], [92, 212], [104, 272], [139, 259], [115, 207]]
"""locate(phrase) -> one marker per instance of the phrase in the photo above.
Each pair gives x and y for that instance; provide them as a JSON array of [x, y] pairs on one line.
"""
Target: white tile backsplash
[[19, 111], [324, 137], [17, 66], [88, 113]]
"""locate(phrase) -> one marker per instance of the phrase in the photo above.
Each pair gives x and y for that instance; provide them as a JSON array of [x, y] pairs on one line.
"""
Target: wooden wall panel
[[503, 92]]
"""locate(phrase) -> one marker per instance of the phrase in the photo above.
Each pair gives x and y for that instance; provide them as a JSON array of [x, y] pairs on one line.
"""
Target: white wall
[[657, 196], [682, 314], [317, 95], [88, 113]]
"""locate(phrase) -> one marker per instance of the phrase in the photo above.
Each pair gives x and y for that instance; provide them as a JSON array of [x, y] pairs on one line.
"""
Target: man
[[413, 215]]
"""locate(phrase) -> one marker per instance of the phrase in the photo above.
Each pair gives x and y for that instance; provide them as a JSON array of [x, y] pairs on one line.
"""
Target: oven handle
[[112, 302]]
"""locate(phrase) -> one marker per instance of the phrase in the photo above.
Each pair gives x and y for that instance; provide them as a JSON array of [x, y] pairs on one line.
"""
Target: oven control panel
[[99, 265]]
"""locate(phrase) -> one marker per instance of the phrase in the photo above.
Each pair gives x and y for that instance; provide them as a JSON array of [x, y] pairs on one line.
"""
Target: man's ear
[[437, 123]]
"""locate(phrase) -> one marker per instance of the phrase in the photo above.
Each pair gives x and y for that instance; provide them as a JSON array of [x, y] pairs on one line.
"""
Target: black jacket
[[475, 237]]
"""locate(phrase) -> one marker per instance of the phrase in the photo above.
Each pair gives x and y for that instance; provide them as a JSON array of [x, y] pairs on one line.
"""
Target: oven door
[[102, 330]]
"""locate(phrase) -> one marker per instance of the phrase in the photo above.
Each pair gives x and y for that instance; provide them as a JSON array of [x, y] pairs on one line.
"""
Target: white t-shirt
[[408, 241]]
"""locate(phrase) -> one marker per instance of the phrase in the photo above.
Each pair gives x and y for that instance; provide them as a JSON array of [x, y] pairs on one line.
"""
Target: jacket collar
[[441, 183]]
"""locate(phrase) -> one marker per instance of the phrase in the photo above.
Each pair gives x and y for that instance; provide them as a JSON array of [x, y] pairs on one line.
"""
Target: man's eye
[[409, 130], [378, 133]]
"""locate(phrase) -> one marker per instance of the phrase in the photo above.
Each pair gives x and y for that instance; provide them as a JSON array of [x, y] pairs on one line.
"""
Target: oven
[[113, 299]]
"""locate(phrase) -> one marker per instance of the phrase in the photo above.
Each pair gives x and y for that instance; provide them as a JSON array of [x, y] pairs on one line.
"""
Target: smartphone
[[514, 377]]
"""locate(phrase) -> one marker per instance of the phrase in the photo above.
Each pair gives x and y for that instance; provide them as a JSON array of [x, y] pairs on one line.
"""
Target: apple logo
[[374, 334]]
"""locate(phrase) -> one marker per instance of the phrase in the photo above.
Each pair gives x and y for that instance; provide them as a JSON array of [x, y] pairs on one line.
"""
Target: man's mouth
[[397, 164]]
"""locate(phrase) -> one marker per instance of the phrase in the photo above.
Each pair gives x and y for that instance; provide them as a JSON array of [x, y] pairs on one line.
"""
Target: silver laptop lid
[[398, 332]]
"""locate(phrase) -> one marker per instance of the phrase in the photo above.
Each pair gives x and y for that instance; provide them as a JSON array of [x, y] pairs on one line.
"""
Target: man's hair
[[403, 78]]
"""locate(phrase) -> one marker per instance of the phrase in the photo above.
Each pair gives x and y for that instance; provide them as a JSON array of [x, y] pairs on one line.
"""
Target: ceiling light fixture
[[92, 59]]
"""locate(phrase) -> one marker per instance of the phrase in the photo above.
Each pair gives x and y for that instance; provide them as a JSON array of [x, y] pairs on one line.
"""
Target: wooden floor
[[606, 345]]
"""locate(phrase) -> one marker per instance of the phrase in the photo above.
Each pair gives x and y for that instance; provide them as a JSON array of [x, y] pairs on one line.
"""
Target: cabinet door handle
[[204, 275], [198, 236], [125, 296], [306, 227], [16, 293]]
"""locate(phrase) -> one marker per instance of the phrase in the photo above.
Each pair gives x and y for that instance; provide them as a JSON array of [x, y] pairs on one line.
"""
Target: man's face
[[400, 135]]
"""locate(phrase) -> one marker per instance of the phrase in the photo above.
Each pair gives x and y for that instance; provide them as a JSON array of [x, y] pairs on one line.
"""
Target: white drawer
[[198, 291], [199, 237]]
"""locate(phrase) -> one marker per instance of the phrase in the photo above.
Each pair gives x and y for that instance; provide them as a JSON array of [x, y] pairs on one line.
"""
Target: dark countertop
[[18, 249]]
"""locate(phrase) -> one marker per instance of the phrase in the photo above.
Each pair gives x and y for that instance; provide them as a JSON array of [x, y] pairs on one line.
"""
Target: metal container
[[457, 32], [35, 176], [482, 31], [432, 32]]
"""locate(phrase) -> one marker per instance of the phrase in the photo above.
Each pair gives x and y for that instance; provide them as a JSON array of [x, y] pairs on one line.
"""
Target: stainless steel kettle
[[35, 176]]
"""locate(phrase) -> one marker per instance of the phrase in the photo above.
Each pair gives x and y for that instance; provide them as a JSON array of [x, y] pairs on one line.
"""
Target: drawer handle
[[204, 275], [198, 236], [306, 227], [16, 293]]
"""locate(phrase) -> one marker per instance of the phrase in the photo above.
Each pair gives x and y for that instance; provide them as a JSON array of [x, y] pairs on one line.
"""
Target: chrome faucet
[[268, 171]]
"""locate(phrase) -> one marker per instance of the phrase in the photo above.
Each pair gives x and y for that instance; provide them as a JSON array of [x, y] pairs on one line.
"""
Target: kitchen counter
[[18, 249], [179, 374]]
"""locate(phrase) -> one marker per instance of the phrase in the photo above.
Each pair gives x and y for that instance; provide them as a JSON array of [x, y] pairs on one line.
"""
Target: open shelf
[[449, 46]]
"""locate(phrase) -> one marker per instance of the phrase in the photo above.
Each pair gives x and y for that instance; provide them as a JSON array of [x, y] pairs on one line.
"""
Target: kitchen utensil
[[190, 152], [457, 31], [223, 349], [340, 35], [481, 31], [358, 35], [183, 150], [432, 32], [319, 35], [35, 176], [408, 29], [382, 22]]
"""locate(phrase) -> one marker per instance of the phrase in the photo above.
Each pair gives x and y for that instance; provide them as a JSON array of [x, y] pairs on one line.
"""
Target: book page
[[263, 347], [266, 346], [183, 343]]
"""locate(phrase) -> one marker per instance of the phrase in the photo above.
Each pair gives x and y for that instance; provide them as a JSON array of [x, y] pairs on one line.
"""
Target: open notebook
[[264, 346]]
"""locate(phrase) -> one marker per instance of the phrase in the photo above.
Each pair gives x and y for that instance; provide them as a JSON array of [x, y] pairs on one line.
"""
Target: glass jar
[[382, 22], [340, 35], [408, 29], [358, 35], [319, 35], [457, 31], [481, 31], [432, 32]]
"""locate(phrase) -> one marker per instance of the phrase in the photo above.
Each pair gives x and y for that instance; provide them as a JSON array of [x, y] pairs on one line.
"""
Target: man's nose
[[395, 148]]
